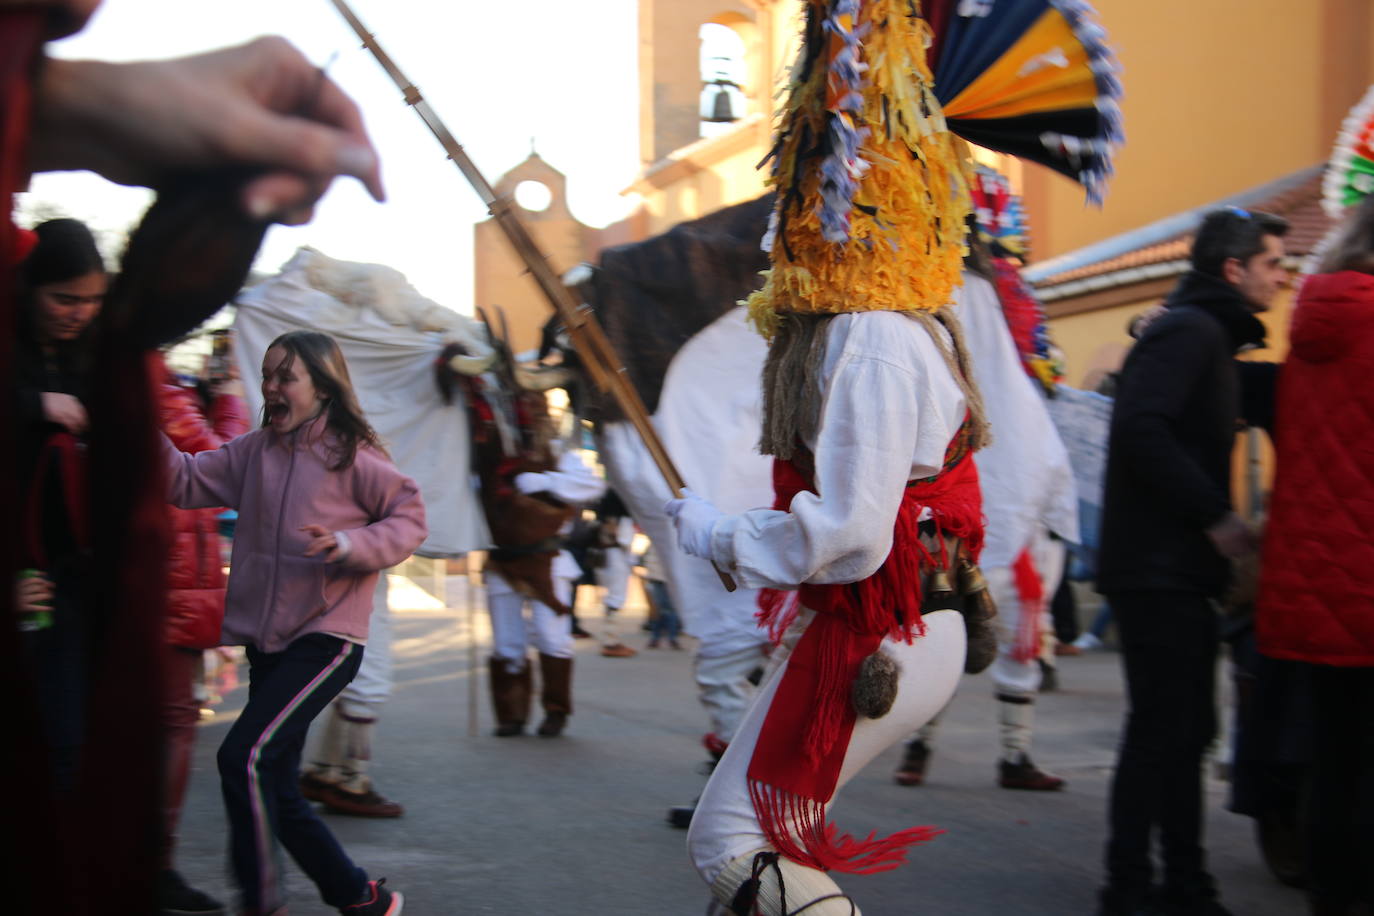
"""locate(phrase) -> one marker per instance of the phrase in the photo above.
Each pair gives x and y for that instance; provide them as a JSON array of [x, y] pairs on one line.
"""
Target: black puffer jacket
[[1178, 407]]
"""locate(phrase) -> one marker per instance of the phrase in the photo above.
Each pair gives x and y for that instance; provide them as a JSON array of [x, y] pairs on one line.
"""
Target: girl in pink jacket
[[321, 510]]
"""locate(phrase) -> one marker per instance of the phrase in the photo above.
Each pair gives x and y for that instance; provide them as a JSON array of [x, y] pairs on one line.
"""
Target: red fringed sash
[[805, 735]]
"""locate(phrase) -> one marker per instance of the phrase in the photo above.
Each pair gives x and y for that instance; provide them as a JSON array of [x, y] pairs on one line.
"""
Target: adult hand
[[261, 104], [1232, 537], [694, 518], [65, 410], [33, 594], [322, 539]]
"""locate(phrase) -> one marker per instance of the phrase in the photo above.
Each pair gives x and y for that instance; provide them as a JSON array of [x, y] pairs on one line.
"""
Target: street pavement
[[575, 825]]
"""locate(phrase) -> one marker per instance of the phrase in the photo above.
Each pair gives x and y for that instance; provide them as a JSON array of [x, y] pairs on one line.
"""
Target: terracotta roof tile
[[1300, 205]]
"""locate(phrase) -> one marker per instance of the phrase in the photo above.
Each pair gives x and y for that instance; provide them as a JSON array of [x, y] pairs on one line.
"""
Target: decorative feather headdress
[[871, 192], [868, 165]]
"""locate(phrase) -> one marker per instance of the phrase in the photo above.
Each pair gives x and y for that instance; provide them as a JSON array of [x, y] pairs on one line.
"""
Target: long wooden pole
[[584, 331]]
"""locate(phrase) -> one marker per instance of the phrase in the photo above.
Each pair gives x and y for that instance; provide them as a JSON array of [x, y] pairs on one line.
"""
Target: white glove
[[530, 482], [694, 518]]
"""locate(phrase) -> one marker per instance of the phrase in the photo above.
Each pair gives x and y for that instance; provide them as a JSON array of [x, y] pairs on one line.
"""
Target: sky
[[558, 74]]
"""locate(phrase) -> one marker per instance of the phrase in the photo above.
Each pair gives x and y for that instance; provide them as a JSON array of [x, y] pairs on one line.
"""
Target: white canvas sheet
[[390, 356]]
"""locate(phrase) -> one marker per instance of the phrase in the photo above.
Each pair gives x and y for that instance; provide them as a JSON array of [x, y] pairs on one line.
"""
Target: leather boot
[[557, 694], [326, 764], [912, 772], [510, 697], [356, 795], [1015, 770]]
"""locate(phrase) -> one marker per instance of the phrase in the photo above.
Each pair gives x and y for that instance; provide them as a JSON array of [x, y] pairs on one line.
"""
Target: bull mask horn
[[464, 364]]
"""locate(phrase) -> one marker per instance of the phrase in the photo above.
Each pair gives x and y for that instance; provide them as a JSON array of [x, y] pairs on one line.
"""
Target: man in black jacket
[[1168, 536]]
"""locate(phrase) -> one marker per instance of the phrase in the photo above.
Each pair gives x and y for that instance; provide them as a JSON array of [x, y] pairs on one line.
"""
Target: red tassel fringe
[[1031, 593], [797, 761], [797, 828]]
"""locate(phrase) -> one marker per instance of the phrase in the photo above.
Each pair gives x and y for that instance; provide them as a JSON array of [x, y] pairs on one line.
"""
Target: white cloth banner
[[390, 337]]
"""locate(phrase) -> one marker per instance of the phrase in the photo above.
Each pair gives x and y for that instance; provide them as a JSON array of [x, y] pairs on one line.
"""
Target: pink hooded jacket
[[279, 484]]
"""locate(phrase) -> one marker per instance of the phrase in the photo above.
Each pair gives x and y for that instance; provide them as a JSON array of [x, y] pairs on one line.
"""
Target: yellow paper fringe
[[907, 255]]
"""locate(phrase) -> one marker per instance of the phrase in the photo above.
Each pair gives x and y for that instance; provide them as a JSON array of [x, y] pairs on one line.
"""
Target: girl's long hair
[[1353, 247], [322, 358]]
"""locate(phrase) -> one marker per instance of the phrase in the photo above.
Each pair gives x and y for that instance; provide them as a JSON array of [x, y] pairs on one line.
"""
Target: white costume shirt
[[890, 407], [1024, 473]]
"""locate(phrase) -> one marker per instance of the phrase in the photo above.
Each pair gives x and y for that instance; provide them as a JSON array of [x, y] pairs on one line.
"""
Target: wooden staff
[[470, 603], [584, 331]]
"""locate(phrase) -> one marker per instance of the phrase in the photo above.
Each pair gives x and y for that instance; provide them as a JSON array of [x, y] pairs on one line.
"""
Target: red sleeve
[[229, 417], [184, 422]]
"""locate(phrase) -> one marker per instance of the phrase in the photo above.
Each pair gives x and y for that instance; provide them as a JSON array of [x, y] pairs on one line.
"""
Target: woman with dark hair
[[62, 284], [1316, 599]]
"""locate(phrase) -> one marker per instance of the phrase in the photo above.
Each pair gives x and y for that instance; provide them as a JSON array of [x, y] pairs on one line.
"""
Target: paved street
[[575, 826]]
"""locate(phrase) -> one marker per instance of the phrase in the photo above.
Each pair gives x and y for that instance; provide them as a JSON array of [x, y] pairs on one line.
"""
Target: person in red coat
[[195, 603], [1316, 592]]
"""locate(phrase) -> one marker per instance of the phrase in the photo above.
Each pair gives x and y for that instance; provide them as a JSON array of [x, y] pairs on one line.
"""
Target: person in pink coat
[[321, 510]]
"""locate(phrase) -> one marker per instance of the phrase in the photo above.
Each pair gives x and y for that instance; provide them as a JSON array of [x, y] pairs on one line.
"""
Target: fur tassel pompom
[[875, 689]]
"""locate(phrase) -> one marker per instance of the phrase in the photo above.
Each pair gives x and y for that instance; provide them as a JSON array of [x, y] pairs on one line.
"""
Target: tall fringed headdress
[[867, 165], [871, 193]]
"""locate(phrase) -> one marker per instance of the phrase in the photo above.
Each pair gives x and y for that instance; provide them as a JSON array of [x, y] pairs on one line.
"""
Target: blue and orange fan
[[1030, 78]]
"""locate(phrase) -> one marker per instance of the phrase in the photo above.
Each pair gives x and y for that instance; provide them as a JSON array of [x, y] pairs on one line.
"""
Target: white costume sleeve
[[572, 481], [889, 410]]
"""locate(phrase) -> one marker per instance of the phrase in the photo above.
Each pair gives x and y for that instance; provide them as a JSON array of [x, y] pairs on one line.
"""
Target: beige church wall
[[1219, 97]]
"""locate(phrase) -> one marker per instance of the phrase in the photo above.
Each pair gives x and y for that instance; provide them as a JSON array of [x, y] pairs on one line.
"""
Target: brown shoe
[[361, 804], [553, 725], [912, 772], [1026, 775], [314, 788], [618, 650]]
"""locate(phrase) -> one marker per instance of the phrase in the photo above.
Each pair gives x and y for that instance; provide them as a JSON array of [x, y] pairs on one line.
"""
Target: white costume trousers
[[369, 690], [1010, 677], [512, 633], [724, 687], [614, 576], [725, 825]]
